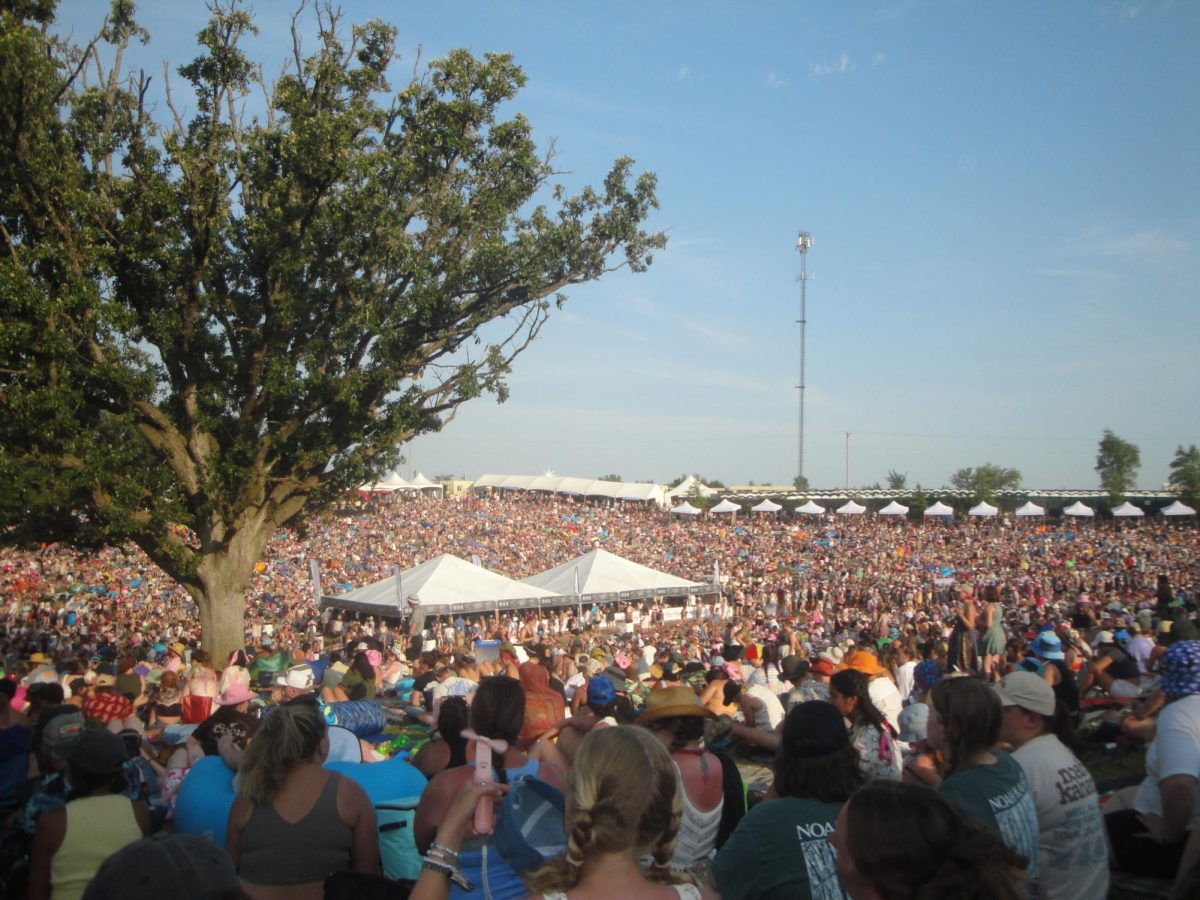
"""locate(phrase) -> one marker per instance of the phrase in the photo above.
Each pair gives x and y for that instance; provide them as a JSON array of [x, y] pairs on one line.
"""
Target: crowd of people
[[916, 688]]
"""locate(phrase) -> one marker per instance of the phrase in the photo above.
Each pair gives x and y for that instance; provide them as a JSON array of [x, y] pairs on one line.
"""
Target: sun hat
[[177, 648], [673, 702], [914, 723], [233, 695], [99, 751], [1102, 637], [179, 866], [1047, 645], [793, 667], [812, 729], [1028, 691], [1164, 627], [1180, 669], [40, 659], [600, 692], [863, 661], [299, 677]]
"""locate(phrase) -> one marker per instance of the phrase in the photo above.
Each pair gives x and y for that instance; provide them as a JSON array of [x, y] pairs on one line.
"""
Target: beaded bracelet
[[450, 871], [444, 849]]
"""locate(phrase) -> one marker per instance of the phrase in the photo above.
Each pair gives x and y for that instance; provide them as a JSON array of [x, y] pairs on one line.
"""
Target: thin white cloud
[[839, 66], [1144, 244], [774, 81], [684, 73]]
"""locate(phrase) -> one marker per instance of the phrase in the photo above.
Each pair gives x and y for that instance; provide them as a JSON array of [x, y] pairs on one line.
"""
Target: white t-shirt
[[905, 681], [886, 697], [1175, 750], [771, 713], [1072, 855]]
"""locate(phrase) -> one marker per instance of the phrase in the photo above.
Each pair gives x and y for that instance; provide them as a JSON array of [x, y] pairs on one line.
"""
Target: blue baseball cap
[[601, 692]]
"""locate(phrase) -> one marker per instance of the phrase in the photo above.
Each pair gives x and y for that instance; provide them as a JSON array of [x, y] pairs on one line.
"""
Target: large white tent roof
[[850, 508], [689, 484], [1080, 509], [1030, 509], [726, 506], [939, 509], [685, 509], [388, 484], [768, 505], [1178, 508], [604, 576], [811, 509], [982, 508], [442, 584], [894, 509], [423, 483], [582, 487]]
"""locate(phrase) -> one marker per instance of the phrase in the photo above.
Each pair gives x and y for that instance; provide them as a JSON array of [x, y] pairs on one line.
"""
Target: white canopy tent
[[850, 508], [1178, 509], [389, 484], [726, 506], [685, 488], [894, 509], [1080, 509], [581, 487], [1030, 509], [768, 505], [811, 509], [440, 585], [685, 509], [600, 576], [939, 509], [1127, 510], [421, 483], [982, 508]]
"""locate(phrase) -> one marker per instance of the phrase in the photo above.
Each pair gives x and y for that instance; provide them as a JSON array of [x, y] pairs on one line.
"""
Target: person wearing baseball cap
[[1112, 670], [71, 842], [1150, 838], [1072, 854], [809, 680]]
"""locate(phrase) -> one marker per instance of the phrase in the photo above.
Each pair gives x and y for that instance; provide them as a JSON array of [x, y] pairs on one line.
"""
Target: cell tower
[[803, 242]]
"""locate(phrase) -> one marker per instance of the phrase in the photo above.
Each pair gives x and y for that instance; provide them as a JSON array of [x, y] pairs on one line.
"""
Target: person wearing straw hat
[[713, 793], [231, 718]]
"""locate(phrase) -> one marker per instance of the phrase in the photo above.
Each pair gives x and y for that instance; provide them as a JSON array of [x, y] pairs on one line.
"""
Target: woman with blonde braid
[[623, 805], [295, 823]]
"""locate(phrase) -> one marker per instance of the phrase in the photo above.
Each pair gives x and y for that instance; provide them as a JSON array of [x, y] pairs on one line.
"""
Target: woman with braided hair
[[623, 805]]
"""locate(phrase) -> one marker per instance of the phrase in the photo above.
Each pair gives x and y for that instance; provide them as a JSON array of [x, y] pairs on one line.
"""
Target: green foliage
[[1185, 474], [897, 481], [443, 478], [224, 323], [986, 481], [1117, 463], [609, 478], [696, 497], [800, 483]]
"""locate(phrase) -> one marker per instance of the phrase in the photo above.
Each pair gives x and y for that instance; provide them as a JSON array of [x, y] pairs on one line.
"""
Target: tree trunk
[[219, 588]]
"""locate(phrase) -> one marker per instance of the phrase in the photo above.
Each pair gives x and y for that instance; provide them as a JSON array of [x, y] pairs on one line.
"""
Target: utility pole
[[803, 242], [847, 460]]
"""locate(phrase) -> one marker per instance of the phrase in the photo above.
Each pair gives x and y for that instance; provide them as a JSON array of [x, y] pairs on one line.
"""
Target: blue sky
[[1004, 200]]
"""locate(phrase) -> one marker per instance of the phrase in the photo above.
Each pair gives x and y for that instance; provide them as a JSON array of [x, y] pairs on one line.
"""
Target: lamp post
[[803, 242]]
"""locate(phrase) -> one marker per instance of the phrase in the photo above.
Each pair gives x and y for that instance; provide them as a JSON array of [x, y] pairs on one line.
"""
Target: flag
[[314, 572]]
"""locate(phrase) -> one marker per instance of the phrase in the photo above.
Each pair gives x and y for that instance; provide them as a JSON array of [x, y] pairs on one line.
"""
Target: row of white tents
[[938, 509], [448, 584], [393, 482]]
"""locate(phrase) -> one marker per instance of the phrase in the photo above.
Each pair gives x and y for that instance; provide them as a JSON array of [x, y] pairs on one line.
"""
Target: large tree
[[1185, 474], [1117, 464], [217, 324], [986, 481]]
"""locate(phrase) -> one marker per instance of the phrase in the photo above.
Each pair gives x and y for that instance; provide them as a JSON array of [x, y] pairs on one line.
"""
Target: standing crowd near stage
[[924, 694]]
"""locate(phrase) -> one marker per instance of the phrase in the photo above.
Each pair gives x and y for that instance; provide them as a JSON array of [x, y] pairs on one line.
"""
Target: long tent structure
[[444, 584], [690, 484], [421, 483], [603, 577], [580, 487]]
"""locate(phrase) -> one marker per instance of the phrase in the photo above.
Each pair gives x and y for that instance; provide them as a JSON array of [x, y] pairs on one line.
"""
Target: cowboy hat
[[673, 702]]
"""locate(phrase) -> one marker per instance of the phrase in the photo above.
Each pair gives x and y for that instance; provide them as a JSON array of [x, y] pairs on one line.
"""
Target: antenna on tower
[[803, 242]]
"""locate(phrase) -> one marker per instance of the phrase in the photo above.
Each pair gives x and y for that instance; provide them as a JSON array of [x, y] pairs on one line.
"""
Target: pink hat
[[236, 693], [373, 657]]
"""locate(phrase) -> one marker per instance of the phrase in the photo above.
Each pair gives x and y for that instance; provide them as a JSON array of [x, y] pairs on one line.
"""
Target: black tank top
[[279, 852], [1066, 690]]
